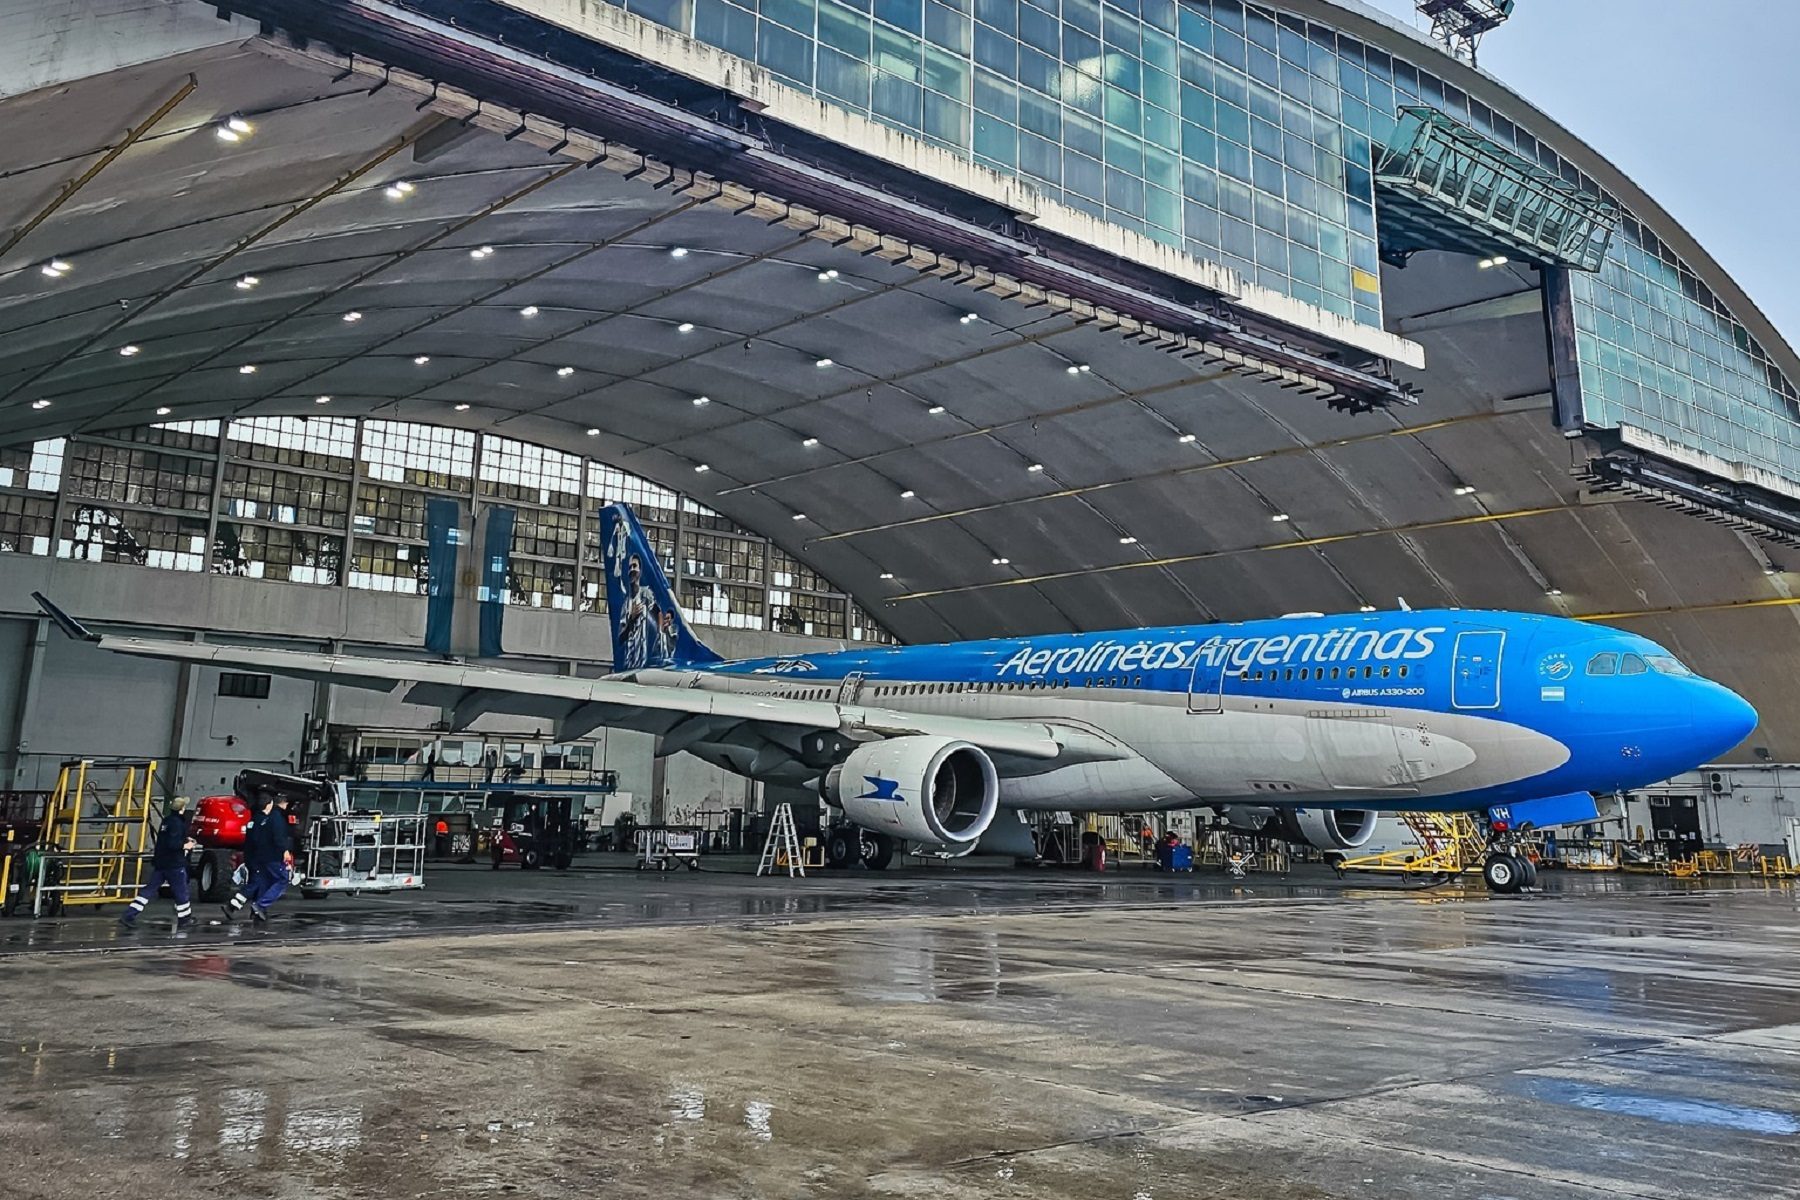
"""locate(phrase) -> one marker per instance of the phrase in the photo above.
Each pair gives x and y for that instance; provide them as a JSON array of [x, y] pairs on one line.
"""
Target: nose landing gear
[[1507, 869]]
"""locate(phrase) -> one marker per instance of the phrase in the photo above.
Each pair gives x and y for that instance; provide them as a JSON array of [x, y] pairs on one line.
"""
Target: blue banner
[[443, 533], [496, 559]]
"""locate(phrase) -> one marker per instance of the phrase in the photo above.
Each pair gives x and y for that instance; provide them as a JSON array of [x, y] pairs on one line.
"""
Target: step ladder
[[783, 845]]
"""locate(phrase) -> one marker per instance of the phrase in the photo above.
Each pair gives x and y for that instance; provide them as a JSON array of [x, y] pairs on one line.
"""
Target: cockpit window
[[1603, 664], [1662, 664], [1632, 664]]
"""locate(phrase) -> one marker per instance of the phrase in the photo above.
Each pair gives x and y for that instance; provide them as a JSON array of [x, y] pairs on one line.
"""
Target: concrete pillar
[[30, 678]]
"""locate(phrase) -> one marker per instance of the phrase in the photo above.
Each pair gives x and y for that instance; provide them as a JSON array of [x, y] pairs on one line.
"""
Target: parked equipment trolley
[[664, 847]]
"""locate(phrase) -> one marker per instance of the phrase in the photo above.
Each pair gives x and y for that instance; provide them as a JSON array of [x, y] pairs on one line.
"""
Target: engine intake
[[1328, 828], [929, 790]]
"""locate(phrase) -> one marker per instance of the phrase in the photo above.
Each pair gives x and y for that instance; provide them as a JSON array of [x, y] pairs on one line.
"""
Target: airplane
[[1307, 725]]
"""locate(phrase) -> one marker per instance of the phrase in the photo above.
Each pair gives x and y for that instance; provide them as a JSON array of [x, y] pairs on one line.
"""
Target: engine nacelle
[[1328, 828], [933, 791]]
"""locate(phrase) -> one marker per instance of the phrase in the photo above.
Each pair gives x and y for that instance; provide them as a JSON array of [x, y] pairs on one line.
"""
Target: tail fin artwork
[[648, 629]]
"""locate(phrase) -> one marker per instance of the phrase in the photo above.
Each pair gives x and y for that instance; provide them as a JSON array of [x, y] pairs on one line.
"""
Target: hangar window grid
[[285, 514], [167, 541], [317, 443], [138, 478], [529, 474], [252, 551]]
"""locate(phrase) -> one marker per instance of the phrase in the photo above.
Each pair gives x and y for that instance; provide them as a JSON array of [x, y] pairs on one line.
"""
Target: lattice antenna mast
[[1459, 24]]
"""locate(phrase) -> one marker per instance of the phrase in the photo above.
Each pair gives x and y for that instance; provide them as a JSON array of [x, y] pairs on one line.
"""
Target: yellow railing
[[96, 858]]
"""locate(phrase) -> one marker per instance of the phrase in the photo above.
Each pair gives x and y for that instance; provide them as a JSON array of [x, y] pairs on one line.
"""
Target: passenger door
[[1475, 673], [1206, 686]]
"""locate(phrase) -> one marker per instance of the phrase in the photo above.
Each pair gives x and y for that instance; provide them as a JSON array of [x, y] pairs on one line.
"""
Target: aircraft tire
[[842, 847], [1501, 874], [877, 850], [1528, 875]]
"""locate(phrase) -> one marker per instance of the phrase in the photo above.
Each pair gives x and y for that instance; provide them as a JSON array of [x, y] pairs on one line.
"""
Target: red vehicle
[[220, 822]]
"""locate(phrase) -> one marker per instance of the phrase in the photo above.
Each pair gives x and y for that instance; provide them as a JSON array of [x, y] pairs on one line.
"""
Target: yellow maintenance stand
[[96, 835], [1449, 844]]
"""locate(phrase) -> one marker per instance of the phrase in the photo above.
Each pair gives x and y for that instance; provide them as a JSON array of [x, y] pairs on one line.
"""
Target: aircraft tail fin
[[648, 629]]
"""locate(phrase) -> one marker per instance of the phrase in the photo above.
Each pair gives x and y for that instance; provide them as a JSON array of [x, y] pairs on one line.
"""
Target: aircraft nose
[[1721, 719]]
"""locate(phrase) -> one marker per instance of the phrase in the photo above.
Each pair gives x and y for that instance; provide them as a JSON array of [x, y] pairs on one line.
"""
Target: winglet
[[69, 625]]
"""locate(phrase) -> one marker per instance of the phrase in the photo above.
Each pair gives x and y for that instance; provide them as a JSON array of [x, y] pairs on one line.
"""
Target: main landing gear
[[1507, 868]]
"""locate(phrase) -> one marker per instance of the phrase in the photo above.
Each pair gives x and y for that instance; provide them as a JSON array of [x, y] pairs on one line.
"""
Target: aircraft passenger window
[[1385, 671], [1603, 664], [1368, 672], [1334, 672], [1631, 664], [1403, 671], [1137, 681]]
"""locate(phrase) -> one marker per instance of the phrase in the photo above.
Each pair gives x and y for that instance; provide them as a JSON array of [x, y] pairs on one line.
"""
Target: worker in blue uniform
[[267, 855], [168, 864]]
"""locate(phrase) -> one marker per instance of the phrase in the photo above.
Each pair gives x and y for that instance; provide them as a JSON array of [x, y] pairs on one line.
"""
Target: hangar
[[897, 322]]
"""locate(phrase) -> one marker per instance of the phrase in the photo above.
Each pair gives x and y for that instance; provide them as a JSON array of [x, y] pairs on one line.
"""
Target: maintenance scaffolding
[[95, 836]]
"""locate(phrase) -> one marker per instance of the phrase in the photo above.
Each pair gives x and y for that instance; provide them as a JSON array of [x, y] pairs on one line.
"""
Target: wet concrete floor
[[943, 1034]]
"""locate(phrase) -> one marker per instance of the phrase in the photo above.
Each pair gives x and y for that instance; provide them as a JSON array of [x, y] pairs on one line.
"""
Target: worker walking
[[168, 864], [267, 853]]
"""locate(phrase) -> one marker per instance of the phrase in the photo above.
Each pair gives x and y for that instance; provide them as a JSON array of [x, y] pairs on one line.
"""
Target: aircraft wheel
[[877, 850], [1528, 874], [1502, 874], [842, 847]]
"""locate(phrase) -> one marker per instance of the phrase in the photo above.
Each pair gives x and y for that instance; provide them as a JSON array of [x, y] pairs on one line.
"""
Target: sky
[[1698, 101]]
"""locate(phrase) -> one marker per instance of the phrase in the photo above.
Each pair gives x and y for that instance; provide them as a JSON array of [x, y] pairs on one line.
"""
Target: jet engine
[[933, 791], [1327, 828]]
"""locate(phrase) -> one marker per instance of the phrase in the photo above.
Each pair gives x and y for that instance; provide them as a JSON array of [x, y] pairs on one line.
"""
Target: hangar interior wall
[[308, 533]]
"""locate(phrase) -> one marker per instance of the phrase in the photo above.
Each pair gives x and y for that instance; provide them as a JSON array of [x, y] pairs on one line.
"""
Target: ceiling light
[[1254, 458], [1771, 570], [1127, 541], [1367, 608], [593, 433], [565, 372], [701, 469], [530, 310], [685, 327], [1552, 591], [462, 408], [228, 134], [828, 274], [908, 494], [969, 318], [130, 351], [823, 362], [887, 574], [1463, 489], [421, 359], [1001, 562], [353, 316], [678, 252], [702, 401], [799, 516], [1034, 468], [809, 443], [1186, 439], [1073, 370], [238, 125], [1280, 517], [1499, 260], [40, 404], [164, 411], [934, 410], [400, 190], [321, 399], [247, 369], [245, 283], [481, 252], [56, 268]]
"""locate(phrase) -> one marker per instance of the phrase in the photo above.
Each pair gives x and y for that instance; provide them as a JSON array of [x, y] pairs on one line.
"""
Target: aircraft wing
[[681, 716]]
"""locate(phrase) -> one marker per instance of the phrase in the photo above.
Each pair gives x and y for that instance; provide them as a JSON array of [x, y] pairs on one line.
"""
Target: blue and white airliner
[[1307, 725]]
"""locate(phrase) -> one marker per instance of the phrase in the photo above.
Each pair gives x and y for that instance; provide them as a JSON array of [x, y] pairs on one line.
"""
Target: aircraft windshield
[[1665, 665]]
